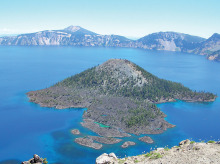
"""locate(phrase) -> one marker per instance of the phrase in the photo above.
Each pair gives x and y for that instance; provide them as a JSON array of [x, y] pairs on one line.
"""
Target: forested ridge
[[120, 94]]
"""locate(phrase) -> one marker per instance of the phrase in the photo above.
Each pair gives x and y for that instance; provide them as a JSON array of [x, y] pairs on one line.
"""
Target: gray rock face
[[214, 56], [107, 159], [35, 160], [170, 41], [209, 46]]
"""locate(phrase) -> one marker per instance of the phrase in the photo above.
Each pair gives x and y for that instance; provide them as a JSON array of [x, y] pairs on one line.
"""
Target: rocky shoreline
[[187, 152]]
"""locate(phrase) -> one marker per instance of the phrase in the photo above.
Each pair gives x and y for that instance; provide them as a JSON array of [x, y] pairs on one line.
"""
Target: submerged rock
[[107, 159]]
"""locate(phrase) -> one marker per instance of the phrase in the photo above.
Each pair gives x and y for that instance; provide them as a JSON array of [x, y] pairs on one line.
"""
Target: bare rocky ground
[[187, 152], [105, 140], [88, 143]]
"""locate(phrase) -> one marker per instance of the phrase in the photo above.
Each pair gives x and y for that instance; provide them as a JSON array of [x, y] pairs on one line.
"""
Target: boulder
[[160, 149], [184, 142], [35, 160], [107, 159]]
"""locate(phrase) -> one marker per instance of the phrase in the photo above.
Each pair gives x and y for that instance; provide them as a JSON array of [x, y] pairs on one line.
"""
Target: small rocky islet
[[127, 144], [146, 139], [75, 131], [96, 142], [120, 95]]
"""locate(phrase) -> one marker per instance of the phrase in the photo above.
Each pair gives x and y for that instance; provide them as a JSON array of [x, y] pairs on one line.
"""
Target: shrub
[[210, 141], [45, 161], [166, 149], [156, 156], [148, 154]]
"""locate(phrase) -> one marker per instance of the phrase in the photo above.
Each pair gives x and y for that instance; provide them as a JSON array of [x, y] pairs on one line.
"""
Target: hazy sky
[[134, 18]]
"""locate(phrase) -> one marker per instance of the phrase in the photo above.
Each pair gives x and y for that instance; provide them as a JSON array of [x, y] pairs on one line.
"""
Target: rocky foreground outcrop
[[107, 159], [36, 160], [188, 152]]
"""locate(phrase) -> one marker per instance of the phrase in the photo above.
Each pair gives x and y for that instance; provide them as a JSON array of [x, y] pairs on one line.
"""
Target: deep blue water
[[26, 128]]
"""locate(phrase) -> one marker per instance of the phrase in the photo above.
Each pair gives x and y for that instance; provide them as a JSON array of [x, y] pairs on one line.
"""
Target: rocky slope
[[186, 153], [170, 41], [214, 56], [118, 94], [209, 46], [78, 36]]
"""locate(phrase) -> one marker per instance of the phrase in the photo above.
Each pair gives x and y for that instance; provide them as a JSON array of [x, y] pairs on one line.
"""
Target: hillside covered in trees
[[118, 94]]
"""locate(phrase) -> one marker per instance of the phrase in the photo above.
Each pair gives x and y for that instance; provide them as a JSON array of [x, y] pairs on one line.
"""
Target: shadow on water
[[10, 162]]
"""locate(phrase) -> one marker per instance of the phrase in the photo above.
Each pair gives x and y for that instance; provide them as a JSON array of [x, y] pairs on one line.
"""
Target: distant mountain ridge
[[170, 41], [78, 36], [70, 36]]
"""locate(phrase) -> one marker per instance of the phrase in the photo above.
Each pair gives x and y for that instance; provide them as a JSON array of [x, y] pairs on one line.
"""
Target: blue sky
[[133, 18]]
